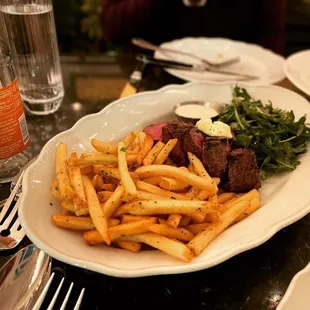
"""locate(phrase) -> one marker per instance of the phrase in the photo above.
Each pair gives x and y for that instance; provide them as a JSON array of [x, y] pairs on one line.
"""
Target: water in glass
[[31, 34]]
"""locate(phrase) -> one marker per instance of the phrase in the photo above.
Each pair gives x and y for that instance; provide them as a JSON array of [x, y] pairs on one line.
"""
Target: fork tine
[[79, 301], [67, 297], [15, 226], [9, 219], [43, 294], [51, 305], [11, 197]]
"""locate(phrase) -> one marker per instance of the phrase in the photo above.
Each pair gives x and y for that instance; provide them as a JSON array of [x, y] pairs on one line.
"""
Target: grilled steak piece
[[193, 141], [155, 130], [214, 155], [243, 172], [176, 130]]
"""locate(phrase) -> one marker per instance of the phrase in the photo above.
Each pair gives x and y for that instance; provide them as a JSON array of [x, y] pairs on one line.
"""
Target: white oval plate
[[297, 70], [254, 59], [286, 198], [297, 295]]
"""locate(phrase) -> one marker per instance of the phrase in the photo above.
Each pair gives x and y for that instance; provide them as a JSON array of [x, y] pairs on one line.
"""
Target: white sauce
[[195, 111]]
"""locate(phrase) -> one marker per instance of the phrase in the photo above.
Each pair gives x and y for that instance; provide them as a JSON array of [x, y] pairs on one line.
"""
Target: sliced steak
[[214, 155], [193, 142], [243, 172], [155, 130], [176, 130]]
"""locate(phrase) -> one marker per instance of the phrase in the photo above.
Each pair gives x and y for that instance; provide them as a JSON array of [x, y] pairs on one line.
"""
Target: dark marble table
[[256, 279]]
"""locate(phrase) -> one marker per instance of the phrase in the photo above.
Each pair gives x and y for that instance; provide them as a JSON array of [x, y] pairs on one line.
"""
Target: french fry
[[86, 169], [126, 179], [72, 159], [173, 184], [164, 153], [68, 205], [62, 176], [171, 247], [255, 204], [65, 211], [142, 195], [171, 232], [56, 191], [204, 194], [73, 222], [153, 180], [174, 220], [104, 196], [104, 147], [114, 201], [223, 198], [99, 183], [203, 239], [133, 228], [131, 159], [96, 158], [196, 228], [78, 222], [246, 197], [212, 217], [129, 139], [159, 191], [95, 211], [146, 146], [169, 162], [128, 245], [109, 187], [93, 237], [134, 218], [185, 220], [152, 154], [79, 197], [148, 207], [191, 168], [174, 172], [198, 166], [192, 193], [110, 172], [198, 217]]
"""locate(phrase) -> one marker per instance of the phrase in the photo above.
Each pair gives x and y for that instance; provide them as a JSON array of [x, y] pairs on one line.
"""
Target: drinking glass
[[29, 28]]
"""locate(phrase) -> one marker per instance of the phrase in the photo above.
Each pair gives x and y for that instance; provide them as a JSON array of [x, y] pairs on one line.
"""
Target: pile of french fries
[[131, 194]]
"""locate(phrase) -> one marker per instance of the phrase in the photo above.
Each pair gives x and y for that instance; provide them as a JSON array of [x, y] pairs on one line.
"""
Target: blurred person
[[253, 21]]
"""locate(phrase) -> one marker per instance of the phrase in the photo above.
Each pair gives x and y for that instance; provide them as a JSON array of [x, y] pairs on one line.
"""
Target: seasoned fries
[[176, 173], [152, 154], [95, 211], [130, 193], [164, 153], [61, 172], [126, 179], [79, 198]]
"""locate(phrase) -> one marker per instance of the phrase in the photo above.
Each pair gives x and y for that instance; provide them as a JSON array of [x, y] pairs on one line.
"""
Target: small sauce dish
[[194, 110]]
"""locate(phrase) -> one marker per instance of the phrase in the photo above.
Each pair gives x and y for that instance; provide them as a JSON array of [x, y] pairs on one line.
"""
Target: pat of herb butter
[[215, 129]]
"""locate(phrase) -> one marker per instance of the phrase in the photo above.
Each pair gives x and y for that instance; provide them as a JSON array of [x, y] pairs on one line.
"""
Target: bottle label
[[14, 136]]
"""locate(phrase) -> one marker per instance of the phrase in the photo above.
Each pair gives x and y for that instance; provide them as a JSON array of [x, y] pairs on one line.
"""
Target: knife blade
[[190, 67]]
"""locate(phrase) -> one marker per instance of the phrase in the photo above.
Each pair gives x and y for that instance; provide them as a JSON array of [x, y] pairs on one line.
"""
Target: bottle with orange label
[[14, 136]]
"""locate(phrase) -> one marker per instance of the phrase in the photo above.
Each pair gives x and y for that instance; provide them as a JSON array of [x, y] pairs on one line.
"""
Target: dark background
[[79, 29]]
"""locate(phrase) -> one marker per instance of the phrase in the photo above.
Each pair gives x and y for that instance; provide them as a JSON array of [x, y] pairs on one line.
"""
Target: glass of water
[[29, 27]]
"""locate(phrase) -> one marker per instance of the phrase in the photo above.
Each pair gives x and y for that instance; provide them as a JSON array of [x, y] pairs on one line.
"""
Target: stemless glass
[[30, 30]]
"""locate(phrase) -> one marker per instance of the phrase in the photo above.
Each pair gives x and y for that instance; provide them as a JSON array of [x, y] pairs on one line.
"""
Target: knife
[[189, 67]]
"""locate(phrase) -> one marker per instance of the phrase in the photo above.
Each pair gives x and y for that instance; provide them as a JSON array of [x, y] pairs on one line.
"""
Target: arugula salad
[[275, 136]]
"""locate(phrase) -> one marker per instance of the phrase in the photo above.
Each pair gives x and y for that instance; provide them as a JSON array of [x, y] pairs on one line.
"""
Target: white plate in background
[[286, 198], [254, 59], [297, 70], [297, 296]]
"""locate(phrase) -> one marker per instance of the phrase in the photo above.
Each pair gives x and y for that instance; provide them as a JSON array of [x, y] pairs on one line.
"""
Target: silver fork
[[16, 232], [64, 303]]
